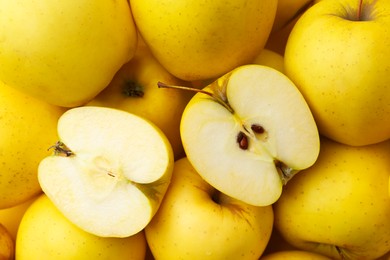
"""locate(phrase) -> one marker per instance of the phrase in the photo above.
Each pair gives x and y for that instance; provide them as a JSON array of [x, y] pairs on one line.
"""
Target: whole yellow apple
[[288, 11], [271, 59], [45, 233], [195, 221], [338, 56], [340, 206], [198, 39], [134, 89], [64, 52], [7, 244], [11, 217], [277, 40], [28, 129]]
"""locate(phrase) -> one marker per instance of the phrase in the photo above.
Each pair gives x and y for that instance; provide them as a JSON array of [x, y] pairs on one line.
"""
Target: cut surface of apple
[[251, 134], [109, 170]]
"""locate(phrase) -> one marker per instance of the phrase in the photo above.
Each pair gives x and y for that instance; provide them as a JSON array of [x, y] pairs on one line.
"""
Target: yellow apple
[[134, 89], [294, 255], [288, 10], [277, 40], [277, 243], [109, 171], [271, 59], [338, 56], [7, 244], [340, 206], [196, 40], [249, 132], [11, 217], [28, 129], [64, 52], [195, 221], [45, 233]]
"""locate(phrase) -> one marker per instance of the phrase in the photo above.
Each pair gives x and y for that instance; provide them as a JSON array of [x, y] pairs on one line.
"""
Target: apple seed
[[242, 141], [258, 129]]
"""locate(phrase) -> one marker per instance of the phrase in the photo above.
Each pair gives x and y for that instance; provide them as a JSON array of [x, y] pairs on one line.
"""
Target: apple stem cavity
[[60, 149], [218, 98]]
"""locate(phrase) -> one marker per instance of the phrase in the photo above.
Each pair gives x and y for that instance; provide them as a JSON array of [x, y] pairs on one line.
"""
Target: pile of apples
[[155, 129]]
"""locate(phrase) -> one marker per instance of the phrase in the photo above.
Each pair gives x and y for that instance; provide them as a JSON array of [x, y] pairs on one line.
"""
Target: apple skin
[[198, 40], [341, 67], [340, 206], [28, 129], [64, 52], [196, 222], [45, 233], [163, 107]]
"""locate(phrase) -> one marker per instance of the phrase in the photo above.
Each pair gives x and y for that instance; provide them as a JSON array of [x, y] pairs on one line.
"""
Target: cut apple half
[[109, 171], [249, 132]]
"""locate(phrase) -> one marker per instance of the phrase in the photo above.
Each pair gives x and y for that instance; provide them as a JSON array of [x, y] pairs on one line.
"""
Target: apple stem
[[359, 11], [223, 103]]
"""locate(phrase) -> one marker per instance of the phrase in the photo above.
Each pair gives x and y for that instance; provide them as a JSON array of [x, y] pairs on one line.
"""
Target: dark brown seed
[[258, 129], [242, 141]]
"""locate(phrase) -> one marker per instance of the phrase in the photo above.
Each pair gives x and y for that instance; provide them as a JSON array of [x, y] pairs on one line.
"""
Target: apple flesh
[[252, 133], [109, 172]]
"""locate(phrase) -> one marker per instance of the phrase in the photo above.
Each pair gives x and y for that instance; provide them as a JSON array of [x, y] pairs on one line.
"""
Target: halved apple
[[109, 170], [249, 132]]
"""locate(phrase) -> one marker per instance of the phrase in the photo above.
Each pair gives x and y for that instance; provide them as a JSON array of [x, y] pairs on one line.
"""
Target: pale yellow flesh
[[114, 182], [257, 95]]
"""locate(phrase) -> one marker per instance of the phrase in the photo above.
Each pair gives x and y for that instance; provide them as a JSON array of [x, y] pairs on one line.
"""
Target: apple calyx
[[257, 131], [132, 89], [60, 149]]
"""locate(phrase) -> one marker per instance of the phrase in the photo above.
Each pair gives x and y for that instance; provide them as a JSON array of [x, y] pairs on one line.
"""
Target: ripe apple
[[288, 10], [109, 172], [28, 128], [64, 52], [277, 40], [46, 234], [196, 221], [294, 255], [338, 56], [340, 206], [7, 244], [197, 40], [271, 59], [134, 89], [11, 217], [248, 132]]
